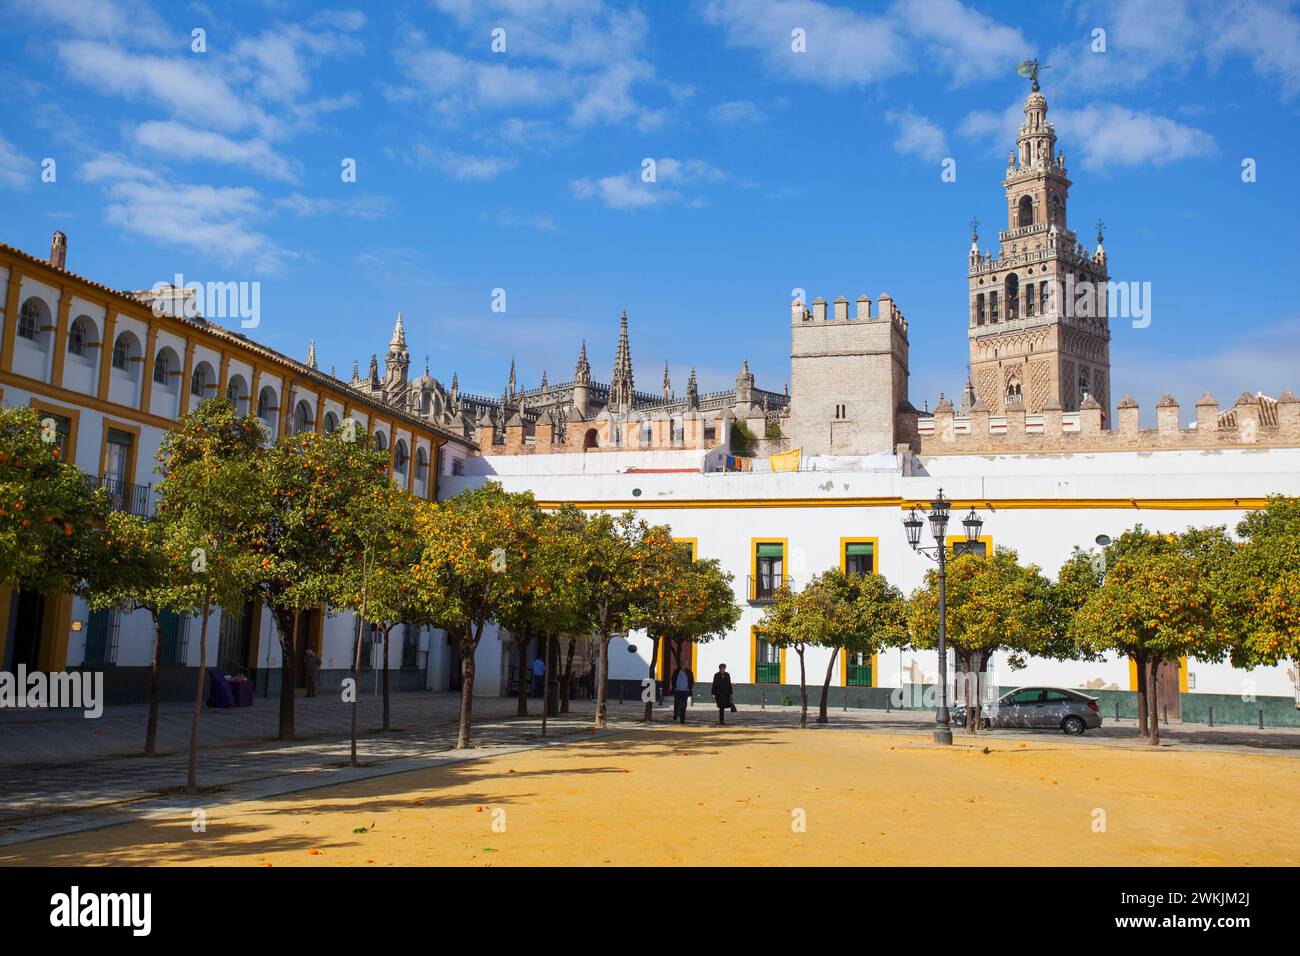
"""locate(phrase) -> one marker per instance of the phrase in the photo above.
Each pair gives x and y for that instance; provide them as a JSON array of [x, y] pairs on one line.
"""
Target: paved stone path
[[61, 773]]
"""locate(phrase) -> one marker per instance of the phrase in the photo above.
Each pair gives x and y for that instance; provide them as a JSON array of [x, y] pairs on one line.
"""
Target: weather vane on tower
[[1030, 68]]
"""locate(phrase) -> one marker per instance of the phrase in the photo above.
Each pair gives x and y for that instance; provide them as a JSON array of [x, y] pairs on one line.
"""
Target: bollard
[[1261, 718], [846, 700], [1165, 715], [889, 702], [620, 693], [1117, 710], [763, 705], [1211, 716]]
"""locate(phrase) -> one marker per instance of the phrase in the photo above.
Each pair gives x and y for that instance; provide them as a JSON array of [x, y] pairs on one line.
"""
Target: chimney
[[59, 251]]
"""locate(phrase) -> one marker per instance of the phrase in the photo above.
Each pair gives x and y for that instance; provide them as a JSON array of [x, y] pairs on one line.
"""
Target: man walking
[[312, 662], [722, 692], [683, 682], [539, 676]]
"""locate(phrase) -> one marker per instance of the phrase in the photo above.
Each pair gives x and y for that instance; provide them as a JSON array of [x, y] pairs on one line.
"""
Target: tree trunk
[[468, 648], [521, 698], [388, 722], [803, 690], [826, 688], [1140, 663], [546, 680], [286, 622], [1153, 698], [356, 651], [974, 662], [566, 684], [602, 684], [192, 776], [649, 715], [155, 681]]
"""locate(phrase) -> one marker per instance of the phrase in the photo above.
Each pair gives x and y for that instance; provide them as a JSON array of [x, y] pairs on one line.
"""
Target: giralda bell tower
[[1039, 331]]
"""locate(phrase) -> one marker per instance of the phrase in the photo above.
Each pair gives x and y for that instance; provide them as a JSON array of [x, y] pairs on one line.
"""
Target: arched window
[[590, 440], [1011, 293], [331, 422], [381, 441], [421, 464], [303, 419], [202, 381], [126, 348], [237, 393], [267, 404], [400, 457], [993, 306], [1042, 298], [979, 309], [164, 363], [81, 336], [32, 318], [1025, 215], [1054, 210]]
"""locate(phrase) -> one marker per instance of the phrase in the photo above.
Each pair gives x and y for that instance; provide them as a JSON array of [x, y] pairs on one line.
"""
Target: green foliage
[[47, 509], [1259, 586], [1159, 599], [696, 602], [993, 604], [742, 439]]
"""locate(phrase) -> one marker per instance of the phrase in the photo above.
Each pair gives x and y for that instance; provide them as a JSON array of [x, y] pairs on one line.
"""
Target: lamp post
[[939, 513]]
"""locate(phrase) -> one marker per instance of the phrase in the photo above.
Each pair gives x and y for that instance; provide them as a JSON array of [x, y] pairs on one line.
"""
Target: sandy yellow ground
[[703, 796]]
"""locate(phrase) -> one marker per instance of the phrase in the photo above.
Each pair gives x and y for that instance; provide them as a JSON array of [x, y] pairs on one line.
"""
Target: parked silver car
[[1068, 710]]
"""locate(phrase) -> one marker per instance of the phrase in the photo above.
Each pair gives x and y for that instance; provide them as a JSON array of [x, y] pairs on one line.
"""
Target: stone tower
[[398, 360], [848, 378], [1039, 332]]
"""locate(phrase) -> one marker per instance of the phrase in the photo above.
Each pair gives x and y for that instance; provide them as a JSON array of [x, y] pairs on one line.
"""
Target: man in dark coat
[[722, 692], [682, 683]]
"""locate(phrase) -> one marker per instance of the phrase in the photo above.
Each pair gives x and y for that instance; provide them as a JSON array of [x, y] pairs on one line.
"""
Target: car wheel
[[1074, 726]]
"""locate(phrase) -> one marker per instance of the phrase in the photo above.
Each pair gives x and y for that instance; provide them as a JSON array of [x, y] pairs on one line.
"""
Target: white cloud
[[180, 142], [628, 191], [918, 136], [462, 166], [1109, 135], [844, 47], [16, 170], [1101, 135], [736, 112], [1267, 35], [112, 19], [584, 57], [365, 206], [507, 219]]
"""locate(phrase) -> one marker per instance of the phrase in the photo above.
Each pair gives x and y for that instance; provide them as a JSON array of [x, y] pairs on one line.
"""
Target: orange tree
[[136, 567], [864, 613], [208, 500], [377, 535], [994, 604], [1158, 601], [696, 604], [1260, 586], [305, 539], [550, 596], [48, 511], [472, 570], [621, 573]]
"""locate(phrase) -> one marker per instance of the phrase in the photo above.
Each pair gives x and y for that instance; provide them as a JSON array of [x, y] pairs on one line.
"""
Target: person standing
[[722, 692], [539, 675], [683, 682]]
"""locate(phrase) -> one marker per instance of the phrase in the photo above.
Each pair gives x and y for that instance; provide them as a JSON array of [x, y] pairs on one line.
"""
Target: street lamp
[[939, 513]]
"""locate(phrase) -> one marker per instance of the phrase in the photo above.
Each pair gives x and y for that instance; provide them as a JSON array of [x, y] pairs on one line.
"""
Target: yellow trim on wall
[[73, 415], [1005, 504], [110, 424], [753, 562]]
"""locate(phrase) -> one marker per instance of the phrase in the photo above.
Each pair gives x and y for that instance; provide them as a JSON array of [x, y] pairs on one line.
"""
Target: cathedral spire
[[692, 392], [311, 353], [511, 383], [620, 384], [582, 373], [398, 341], [668, 386]]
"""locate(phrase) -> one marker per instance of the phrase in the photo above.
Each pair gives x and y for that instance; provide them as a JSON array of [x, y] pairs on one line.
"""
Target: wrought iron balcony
[[129, 497]]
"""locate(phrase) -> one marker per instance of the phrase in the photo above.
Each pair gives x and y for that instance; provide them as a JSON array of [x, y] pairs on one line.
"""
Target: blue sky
[[521, 170]]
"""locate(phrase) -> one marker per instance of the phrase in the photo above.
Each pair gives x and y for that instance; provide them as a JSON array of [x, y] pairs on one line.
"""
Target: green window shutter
[[771, 550], [859, 549]]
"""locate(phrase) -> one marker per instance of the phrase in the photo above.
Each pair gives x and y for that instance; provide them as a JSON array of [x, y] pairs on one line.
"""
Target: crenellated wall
[[1254, 421]]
